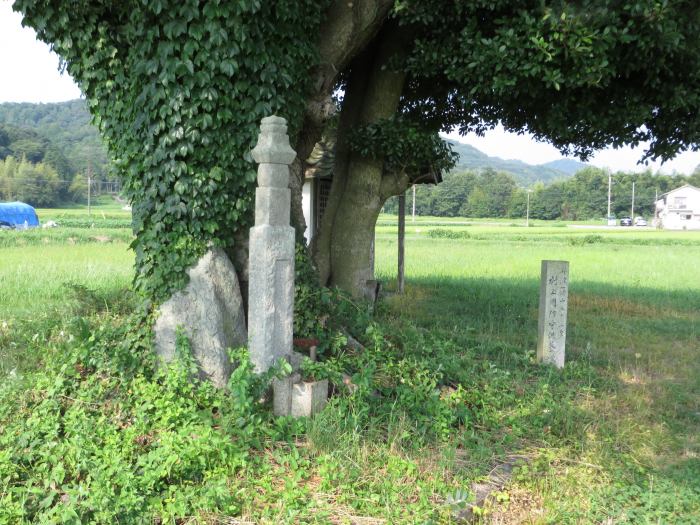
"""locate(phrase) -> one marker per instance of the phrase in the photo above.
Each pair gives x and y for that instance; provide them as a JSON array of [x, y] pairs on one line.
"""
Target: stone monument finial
[[273, 143]]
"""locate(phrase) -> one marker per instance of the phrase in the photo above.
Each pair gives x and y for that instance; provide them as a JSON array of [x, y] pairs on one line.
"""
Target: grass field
[[613, 438]]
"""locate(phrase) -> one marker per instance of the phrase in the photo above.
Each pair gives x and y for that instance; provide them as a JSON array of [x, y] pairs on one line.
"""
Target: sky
[[28, 69], [30, 74]]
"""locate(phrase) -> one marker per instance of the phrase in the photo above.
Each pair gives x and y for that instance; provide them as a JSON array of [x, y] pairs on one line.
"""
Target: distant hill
[[65, 126], [525, 174], [569, 166]]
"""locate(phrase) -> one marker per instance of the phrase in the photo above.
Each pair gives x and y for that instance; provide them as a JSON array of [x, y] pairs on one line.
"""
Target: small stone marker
[[554, 299], [309, 398], [271, 263]]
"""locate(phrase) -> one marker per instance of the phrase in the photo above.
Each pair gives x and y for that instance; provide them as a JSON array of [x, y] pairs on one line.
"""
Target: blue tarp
[[19, 214]]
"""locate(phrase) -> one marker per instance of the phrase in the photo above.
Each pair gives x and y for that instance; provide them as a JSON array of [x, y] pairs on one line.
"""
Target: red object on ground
[[305, 343]]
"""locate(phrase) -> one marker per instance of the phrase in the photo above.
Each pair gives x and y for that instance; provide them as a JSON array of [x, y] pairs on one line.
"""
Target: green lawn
[[33, 279], [451, 390], [629, 444]]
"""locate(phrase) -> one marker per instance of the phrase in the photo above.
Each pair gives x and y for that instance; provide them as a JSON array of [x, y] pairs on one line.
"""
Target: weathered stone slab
[[210, 312], [554, 299], [270, 295]]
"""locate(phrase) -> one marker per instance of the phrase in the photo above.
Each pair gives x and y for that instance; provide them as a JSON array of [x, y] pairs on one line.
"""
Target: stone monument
[[271, 263], [554, 299]]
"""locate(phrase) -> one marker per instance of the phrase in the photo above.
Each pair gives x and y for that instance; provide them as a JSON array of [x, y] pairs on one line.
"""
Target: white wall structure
[[679, 209], [307, 206]]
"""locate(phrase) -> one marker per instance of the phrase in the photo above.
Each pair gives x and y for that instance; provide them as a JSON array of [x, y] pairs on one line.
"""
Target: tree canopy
[[582, 75], [178, 89]]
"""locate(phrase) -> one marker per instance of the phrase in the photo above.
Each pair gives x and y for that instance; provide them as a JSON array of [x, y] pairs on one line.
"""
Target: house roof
[[679, 188]]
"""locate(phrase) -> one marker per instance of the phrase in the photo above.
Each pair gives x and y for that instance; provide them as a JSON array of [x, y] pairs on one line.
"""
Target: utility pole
[[89, 177], [656, 209], [632, 214], [413, 219], [400, 279], [609, 194], [527, 213]]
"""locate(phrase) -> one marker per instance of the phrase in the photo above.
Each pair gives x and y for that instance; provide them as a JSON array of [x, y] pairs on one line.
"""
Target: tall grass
[[33, 278]]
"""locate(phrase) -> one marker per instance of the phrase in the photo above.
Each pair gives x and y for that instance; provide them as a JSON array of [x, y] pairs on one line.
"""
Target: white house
[[679, 209]]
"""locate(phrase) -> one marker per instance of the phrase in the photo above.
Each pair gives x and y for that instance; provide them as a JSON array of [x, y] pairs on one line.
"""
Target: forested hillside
[[66, 126], [26, 143], [46, 152], [568, 166]]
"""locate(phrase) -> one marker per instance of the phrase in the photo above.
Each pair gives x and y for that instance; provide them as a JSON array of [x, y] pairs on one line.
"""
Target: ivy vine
[[178, 89]]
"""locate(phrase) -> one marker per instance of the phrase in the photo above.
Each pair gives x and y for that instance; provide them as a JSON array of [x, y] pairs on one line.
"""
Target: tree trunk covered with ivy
[[178, 89]]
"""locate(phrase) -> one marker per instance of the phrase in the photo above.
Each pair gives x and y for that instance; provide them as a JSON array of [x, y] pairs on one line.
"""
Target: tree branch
[[347, 28], [393, 183]]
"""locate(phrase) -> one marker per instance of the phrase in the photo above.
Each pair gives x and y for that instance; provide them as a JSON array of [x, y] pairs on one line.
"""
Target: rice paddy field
[[613, 438]]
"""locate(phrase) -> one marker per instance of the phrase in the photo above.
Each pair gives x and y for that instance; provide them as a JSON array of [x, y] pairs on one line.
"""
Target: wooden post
[[89, 177], [402, 236]]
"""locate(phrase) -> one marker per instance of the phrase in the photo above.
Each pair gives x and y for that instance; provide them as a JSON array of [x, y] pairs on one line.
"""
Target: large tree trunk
[[343, 244], [347, 29]]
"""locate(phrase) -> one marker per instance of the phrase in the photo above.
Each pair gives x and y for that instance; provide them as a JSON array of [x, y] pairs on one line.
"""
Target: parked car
[[626, 221], [640, 221]]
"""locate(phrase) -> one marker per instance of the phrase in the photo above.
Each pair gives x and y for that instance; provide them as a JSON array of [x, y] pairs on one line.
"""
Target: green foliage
[[585, 239], [404, 147], [102, 435], [483, 193], [94, 222], [178, 90], [74, 143], [443, 233], [36, 184], [321, 313], [83, 233]]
